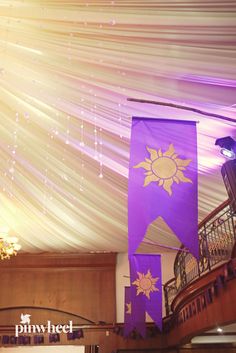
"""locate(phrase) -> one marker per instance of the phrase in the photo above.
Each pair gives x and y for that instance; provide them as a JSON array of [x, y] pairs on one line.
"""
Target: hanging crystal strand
[[82, 134], [95, 134], [100, 155], [68, 130], [48, 184], [60, 122], [97, 142], [45, 181], [13, 154], [120, 119], [81, 184]]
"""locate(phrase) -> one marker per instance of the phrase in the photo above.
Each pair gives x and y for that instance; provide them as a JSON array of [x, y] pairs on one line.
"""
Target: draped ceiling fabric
[[66, 71]]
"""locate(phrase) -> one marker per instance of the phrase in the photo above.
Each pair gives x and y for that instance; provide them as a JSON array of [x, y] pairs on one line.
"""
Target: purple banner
[[163, 180], [146, 287], [128, 327], [134, 315]]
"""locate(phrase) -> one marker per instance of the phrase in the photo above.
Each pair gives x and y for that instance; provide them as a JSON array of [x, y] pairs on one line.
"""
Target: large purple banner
[[163, 180]]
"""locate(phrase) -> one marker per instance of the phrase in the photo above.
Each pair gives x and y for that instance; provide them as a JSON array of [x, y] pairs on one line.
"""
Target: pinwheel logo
[[25, 327], [25, 319]]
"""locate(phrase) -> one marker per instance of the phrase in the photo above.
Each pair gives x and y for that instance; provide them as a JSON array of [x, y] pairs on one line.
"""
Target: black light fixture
[[228, 146]]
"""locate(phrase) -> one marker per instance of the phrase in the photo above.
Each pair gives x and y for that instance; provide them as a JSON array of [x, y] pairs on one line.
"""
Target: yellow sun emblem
[[145, 284], [128, 308], [165, 168]]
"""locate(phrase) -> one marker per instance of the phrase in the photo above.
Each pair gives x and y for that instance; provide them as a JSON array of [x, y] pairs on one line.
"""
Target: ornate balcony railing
[[217, 234]]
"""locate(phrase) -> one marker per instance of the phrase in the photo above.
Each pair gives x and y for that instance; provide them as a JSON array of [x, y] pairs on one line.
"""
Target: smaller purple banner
[[146, 289], [127, 312]]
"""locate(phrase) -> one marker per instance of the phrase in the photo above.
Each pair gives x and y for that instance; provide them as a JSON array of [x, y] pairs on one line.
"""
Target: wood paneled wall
[[82, 284]]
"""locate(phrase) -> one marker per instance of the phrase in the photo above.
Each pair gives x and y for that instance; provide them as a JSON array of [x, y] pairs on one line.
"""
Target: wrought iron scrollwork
[[217, 236]]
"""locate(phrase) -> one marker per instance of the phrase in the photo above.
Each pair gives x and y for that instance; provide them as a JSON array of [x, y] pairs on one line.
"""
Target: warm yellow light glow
[[8, 246], [66, 69], [12, 240]]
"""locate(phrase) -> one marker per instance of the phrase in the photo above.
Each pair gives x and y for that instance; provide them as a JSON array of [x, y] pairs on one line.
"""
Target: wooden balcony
[[206, 303]]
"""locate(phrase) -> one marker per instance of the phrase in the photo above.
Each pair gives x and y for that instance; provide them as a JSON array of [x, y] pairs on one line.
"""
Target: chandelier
[[8, 246]]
